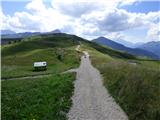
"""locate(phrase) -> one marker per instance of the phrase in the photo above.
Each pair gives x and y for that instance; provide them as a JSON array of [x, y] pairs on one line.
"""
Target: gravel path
[[91, 101]]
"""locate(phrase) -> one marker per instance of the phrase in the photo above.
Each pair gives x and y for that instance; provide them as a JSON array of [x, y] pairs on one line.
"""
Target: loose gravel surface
[[91, 101]]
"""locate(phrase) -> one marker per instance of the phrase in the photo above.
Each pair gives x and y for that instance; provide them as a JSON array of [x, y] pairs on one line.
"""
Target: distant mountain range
[[11, 34], [4, 32], [56, 31], [153, 47], [8, 35], [117, 46], [128, 44]]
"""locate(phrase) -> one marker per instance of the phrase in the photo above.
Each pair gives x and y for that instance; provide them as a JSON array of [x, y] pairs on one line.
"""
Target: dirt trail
[[91, 101], [27, 77]]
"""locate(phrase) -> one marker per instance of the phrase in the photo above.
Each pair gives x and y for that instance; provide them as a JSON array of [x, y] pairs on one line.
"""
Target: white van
[[40, 65]]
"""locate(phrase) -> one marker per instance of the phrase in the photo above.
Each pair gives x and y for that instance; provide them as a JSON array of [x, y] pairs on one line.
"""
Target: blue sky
[[132, 20], [143, 7], [9, 8]]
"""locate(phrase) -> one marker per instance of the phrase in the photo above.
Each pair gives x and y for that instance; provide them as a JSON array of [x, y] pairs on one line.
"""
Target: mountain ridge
[[153, 46], [129, 44], [4, 32], [6, 38], [117, 46], [27, 34]]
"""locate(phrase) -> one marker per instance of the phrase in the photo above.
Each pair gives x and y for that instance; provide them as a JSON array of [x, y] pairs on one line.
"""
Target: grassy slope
[[18, 59], [38, 98], [134, 87], [46, 98]]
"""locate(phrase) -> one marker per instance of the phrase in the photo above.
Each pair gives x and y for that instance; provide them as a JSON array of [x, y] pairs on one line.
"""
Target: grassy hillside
[[133, 83], [57, 50], [18, 58], [46, 98]]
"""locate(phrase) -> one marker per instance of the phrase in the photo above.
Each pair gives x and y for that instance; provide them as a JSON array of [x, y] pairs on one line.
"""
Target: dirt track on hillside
[[91, 101]]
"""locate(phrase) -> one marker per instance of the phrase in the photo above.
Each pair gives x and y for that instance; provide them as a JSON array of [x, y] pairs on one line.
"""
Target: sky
[[130, 20]]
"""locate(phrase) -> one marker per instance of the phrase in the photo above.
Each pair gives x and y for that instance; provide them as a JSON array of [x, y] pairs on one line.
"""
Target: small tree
[[9, 42], [19, 40]]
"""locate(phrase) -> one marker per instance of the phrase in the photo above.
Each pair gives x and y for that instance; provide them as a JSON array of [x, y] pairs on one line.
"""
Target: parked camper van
[[40, 66]]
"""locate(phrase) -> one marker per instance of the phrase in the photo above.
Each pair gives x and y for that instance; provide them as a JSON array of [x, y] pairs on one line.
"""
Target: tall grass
[[46, 98], [136, 88]]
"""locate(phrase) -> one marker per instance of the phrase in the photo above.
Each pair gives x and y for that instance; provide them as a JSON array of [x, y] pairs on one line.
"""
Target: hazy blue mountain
[[51, 32], [20, 35], [28, 34], [56, 31], [5, 38], [128, 44], [120, 47], [153, 46], [4, 32], [125, 43]]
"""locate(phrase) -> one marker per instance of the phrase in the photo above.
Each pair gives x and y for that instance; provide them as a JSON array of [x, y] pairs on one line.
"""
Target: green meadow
[[46, 98], [133, 82], [18, 58]]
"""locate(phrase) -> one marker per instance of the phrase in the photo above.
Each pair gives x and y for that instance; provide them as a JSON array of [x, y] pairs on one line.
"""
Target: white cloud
[[114, 21], [36, 18], [115, 36], [127, 2], [154, 32], [74, 9], [152, 16], [86, 19], [36, 6], [2, 19]]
